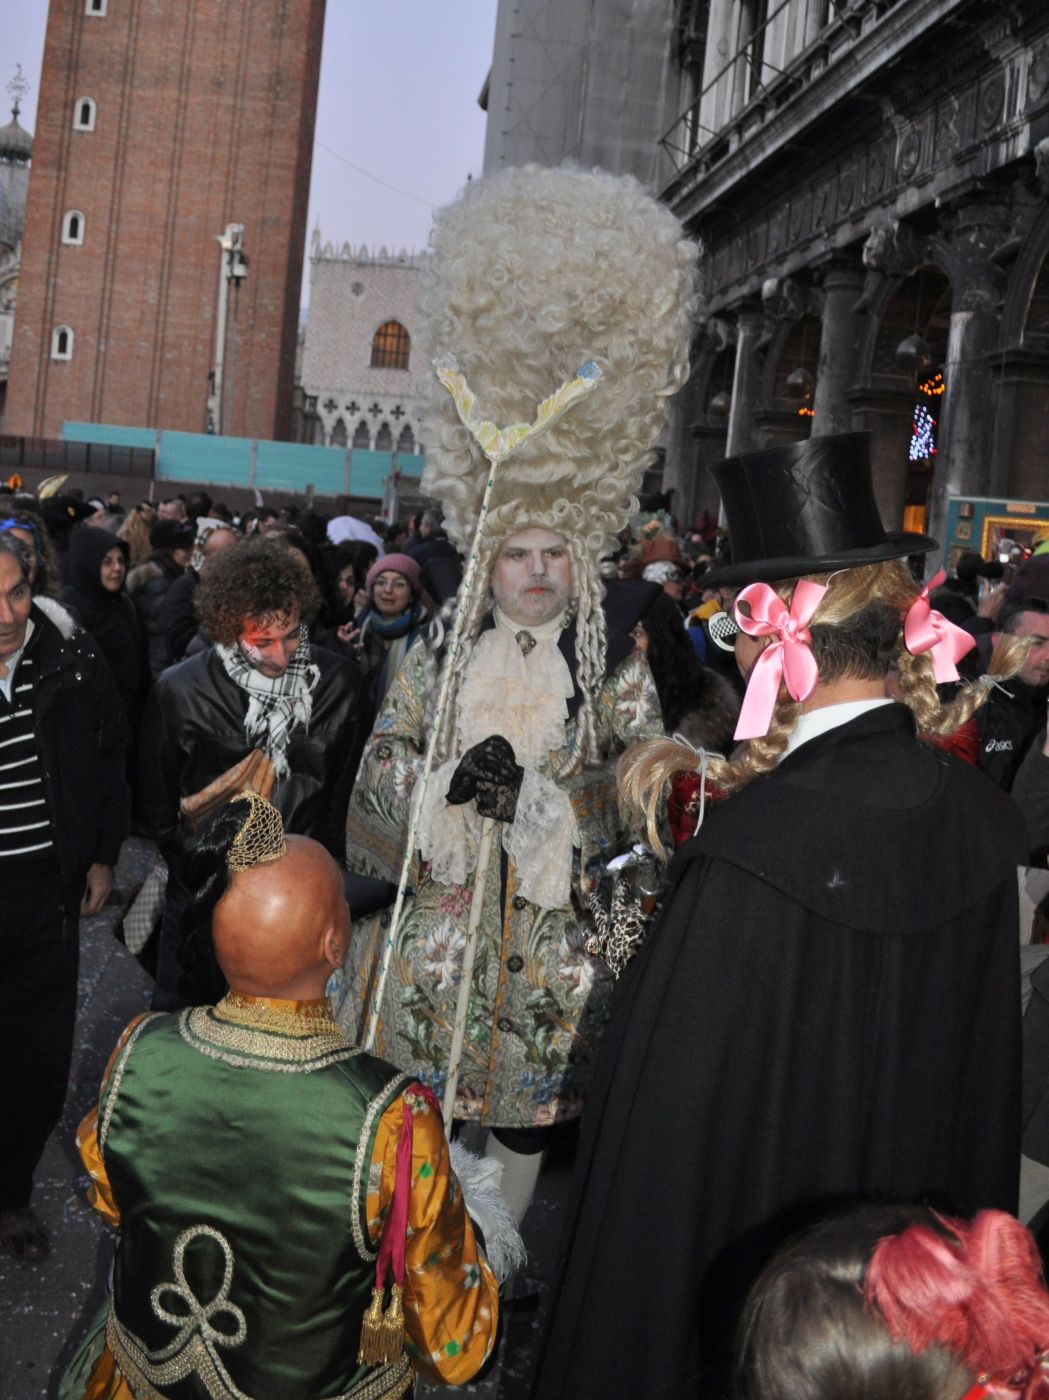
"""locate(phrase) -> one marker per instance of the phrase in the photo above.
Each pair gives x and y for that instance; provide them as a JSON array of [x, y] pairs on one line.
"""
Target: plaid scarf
[[276, 706]]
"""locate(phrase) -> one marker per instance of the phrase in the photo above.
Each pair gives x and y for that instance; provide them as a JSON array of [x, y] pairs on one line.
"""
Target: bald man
[[249, 1155]]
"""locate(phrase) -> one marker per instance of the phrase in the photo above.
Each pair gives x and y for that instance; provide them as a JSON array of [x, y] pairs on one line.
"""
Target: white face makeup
[[532, 576]]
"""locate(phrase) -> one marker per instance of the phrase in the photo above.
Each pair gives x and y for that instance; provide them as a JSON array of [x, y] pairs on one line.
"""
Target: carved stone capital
[[974, 229]]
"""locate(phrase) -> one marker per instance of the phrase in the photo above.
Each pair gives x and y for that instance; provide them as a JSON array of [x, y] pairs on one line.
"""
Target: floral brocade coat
[[539, 1001]]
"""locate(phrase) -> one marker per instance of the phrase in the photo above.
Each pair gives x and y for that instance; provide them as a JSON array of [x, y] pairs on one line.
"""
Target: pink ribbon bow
[[925, 629], [789, 660]]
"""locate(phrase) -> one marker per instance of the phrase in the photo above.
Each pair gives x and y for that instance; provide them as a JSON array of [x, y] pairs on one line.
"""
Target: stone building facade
[[358, 362], [868, 180], [159, 124]]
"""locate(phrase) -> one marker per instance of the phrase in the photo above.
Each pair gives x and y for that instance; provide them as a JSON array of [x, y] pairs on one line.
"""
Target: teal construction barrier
[[277, 466]]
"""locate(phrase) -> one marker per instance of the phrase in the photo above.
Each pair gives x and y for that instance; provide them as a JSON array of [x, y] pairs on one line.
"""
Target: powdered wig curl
[[857, 633], [532, 273]]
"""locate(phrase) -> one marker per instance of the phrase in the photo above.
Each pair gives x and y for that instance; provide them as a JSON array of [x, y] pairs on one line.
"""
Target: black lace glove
[[490, 773]]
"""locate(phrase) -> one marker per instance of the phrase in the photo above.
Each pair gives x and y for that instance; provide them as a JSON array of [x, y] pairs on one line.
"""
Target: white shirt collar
[[541, 631], [8, 680], [815, 722]]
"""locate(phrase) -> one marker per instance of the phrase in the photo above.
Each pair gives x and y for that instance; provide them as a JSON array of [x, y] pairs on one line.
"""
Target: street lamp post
[[233, 268]]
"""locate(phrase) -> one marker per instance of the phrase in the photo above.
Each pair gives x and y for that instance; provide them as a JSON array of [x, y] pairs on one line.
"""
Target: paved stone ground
[[45, 1309]]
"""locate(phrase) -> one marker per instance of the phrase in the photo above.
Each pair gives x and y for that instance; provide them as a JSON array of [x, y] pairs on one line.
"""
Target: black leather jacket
[[193, 731]]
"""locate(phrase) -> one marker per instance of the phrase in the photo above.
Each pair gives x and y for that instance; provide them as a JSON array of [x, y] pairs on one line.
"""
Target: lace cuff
[[448, 835], [541, 840]]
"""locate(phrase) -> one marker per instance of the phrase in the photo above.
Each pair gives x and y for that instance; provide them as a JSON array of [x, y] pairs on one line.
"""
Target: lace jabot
[[522, 695], [517, 684]]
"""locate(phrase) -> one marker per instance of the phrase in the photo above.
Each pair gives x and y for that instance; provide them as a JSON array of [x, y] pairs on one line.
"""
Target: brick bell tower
[[161, 123]]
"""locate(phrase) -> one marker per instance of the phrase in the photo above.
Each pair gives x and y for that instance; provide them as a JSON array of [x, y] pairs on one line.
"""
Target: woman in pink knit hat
[[397, 613]]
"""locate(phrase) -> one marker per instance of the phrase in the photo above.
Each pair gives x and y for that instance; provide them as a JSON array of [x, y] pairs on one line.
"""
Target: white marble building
[[358, 358]]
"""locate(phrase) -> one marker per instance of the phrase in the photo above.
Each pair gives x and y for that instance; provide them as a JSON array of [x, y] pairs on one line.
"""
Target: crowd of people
[[540, 809]]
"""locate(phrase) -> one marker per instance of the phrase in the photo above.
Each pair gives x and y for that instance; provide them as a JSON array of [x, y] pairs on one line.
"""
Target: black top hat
[[806, 508]]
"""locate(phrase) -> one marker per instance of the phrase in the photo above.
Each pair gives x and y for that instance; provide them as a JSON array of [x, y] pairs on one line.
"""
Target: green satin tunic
[[255, 1289]]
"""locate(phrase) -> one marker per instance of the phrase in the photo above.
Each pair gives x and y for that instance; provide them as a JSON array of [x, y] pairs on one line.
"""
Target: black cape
[[827, 1008]]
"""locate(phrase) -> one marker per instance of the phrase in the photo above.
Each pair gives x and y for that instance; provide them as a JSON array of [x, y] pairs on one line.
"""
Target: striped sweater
[[25, 825]]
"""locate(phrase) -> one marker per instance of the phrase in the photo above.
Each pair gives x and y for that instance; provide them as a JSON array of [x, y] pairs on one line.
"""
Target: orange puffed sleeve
[[99, 1193], [451, 1298]]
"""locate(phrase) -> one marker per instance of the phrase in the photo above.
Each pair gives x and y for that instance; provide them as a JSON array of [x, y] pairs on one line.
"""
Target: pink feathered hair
[[975, 1290]]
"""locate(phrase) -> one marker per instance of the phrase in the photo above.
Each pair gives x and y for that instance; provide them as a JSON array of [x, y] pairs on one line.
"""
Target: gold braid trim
[[298, 1019], [143, 1375]]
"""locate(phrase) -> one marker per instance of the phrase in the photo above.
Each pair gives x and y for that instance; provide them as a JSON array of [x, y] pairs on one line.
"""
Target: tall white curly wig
[[532, 273]]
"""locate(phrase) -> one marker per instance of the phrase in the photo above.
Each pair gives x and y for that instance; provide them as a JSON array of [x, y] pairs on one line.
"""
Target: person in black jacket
[[148, 584], [261, 686], [1015, 713], [97, 598], [176, 619], [828, 1005], [63, 816]]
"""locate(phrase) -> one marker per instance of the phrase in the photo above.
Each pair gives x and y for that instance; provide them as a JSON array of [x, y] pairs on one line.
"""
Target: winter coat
[[148, 585], [82, 735], [110, 618]]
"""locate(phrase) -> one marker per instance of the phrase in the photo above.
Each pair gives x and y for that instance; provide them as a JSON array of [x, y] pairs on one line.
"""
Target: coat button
[[519, 901], [504, 1025], [515, 963]]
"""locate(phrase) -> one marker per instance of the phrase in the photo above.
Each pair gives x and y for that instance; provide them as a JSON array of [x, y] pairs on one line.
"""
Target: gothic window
[[84, 114], [384, 439], [391, 346], [62, 343], [406, 440], [94, 7], [338, 434], [73, 227], [362, 438]]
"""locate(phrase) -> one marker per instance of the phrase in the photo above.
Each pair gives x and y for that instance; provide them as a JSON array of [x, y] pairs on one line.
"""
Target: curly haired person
[[260, 686]]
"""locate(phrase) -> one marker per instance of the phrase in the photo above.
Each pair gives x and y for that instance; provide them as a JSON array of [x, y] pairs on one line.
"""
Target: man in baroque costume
[[534, 273], [290, 1219], [827, 1006]]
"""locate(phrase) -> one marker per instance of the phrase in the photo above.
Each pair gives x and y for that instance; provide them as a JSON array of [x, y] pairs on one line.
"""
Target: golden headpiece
[[261, 838]]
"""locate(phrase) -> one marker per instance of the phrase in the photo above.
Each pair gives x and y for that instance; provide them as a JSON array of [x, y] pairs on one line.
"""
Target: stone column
[[1021, 424], [886, 414], [839, 341], [964, 451], [746, 382], [709, 446]]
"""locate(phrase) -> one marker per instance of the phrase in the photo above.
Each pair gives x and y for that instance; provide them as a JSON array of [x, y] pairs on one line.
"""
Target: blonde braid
[[918, 686]]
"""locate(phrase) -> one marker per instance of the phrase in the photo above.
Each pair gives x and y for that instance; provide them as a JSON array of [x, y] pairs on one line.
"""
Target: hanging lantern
[[720, 405], [800, 384], [913, 354]]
